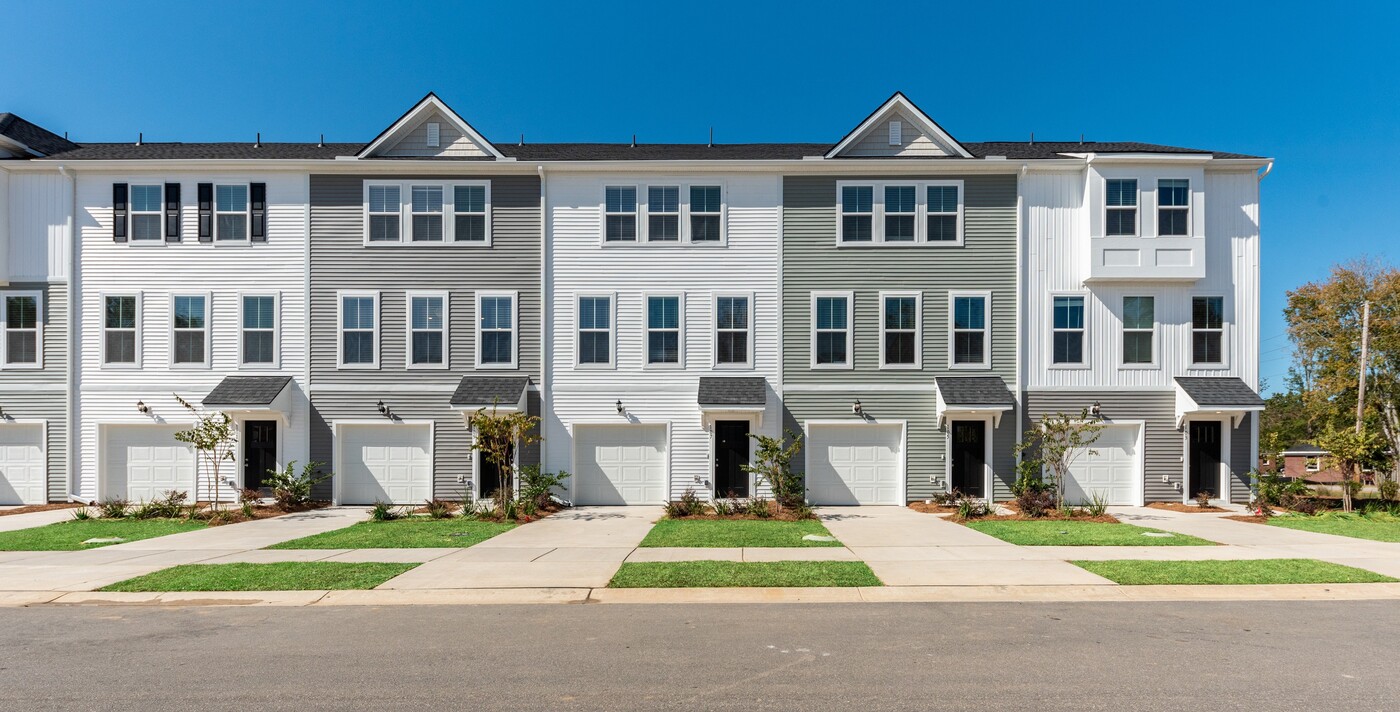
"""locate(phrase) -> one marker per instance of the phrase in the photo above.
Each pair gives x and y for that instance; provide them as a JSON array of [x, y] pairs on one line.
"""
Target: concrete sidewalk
[[15, 522]]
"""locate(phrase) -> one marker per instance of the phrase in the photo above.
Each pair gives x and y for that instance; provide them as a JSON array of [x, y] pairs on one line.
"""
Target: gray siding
[[1243, 460], [17, 387], [1164, 447]]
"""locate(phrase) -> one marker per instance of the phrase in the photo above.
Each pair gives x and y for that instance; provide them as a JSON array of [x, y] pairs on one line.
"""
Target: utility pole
[[1365, 344]]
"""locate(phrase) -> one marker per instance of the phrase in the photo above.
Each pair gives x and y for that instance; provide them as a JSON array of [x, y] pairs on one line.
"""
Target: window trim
[[514, 331], [918, 330], [638, 224], [441, 212], [986, 363], [1224, 331], [1312, 464], [850, 331], [449, 213], [1157, 205], [408, 298], [453, 212], [276, 362], [131, 214], [684, 237], [921, 213], [1137, 206], [1085, 349], [247, 214], [646, 331], [646, 208], [137, 329], [340, 297], [1123, 330], [748, 363], [172, 331], [38, 330], [611, 331], [688, 212]]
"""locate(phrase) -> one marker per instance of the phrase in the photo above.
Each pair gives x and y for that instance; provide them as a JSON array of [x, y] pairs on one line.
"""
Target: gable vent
[[433, 134], [896, 133]]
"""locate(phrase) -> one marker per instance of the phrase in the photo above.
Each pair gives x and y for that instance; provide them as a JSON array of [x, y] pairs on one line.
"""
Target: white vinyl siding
[[900, 212], [359, 330], [257, 339], [21, 314], [420, 212], [496, 330]]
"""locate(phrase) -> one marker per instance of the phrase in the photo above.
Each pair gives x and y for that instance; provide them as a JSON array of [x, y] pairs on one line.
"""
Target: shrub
[[973, 508], [81, 514], [538, 486], [1203, 499], [168, 506], [773, 465], [114, 508], [803, 511], [441, 508], [292, 489], [1272, 488], [760, 507], [946, 499], [1035, 502], [246, 499], [384, 512], [1389, 490], [510, 509], [687, 506], [723, 507], [528, 509], [1098, 505]]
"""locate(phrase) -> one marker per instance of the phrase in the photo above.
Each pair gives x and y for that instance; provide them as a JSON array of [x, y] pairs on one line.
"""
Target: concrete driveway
[[15, 522]]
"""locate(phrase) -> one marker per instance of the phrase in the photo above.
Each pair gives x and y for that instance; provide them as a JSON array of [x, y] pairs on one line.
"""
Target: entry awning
[[744, 396], [506, 393], [961, 396], [251, 394], [1215, 395]]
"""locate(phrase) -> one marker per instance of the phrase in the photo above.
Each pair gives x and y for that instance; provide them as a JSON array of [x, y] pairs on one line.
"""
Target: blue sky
[[1315, 86]]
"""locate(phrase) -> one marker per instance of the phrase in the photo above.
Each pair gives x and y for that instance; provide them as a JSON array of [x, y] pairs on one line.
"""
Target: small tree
[[214, 438], [773, 464], [1054, 447], [497, 437], [1352, 450]]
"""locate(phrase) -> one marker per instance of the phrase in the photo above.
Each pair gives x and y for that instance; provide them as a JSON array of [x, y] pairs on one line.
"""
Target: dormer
[[431, 129], [898, 129]]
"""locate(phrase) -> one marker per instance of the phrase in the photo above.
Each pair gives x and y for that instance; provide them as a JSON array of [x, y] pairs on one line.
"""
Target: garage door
[[145, 461], [22, 467], [620, 464], [855, 464], [1110, 470], [385, 463]]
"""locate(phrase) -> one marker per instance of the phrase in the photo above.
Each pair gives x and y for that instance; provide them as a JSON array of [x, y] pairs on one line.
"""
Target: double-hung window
[[427, 330], [23, 340], [899, 330], [706, 213], [663, 213], [147, 214], [620, 213], [420, 212], [495, 329], [1173, 207], [663, 331], [120, 323], [1121, 199], [1139, 330], [944, 207], [1208, 331], [359, 330], [732, 331], [427, 213], [189, 316], [857, 213], [385, 213], [969, 337], [595, 331], [231, 213], [1068, 338], [469, 213], [259, 334], [900, 213], [831, 330]]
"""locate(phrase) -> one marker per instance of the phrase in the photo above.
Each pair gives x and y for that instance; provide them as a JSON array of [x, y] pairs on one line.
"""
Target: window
[[620, 211], [663, 331], [1139, 327], [969, 323], [427, 330], [427, 213], [705, 213], [1208, 330], [831, 330], [385, 207], [359, 330], [899, 213], [230, 213], [899, 329], [495, 330], [595, 331], [732, 338], [259, 336], [146, 213], [663, 213], [1173, 206], [1313, 464], [857, 213], [1122, 200], [944, 210], [190, 322], [1068, 346], [469, 213], [120, 322], [23, 341]]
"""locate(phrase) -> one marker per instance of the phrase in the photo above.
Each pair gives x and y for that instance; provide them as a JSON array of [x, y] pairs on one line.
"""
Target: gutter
[[71, 373]]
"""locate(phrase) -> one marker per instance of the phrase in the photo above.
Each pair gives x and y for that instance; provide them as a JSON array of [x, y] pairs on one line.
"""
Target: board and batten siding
[[42, 394], [37, 226]]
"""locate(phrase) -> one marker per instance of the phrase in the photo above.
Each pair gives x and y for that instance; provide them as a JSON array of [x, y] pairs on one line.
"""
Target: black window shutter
[[119, 212], [206, 212], [172, 212], [257, 200]]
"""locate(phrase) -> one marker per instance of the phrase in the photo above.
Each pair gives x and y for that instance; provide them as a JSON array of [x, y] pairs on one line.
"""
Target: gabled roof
[[745, 391], [969, 391], [1220, 392], [899, 103], [488, 391], [427, 104], [246, 391], [32, 137], [1305, 449]]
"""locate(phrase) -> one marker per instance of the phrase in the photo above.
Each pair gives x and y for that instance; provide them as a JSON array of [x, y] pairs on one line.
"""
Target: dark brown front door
[[731, 454], [259, 451], [1205, 458], [969, 453]]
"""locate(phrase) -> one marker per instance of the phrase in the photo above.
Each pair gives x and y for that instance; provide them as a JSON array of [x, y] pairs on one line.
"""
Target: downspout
[[544, 320], [70, 439], [1021, 239]]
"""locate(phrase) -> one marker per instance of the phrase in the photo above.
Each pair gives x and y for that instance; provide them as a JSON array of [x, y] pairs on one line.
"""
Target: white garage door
[[145, 461], [855, 464], [23, 478], [620, 464], [1110, 470], [385, 463]]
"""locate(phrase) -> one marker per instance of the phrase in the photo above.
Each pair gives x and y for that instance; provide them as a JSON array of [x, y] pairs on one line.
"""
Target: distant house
[[1313, 464]]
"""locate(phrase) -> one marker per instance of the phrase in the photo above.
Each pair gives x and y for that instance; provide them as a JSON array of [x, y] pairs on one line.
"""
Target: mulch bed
[[1183, 507], [41, 508], [932, 508], [233, 513], [1052, 516], [1250, 518], [539, 514]]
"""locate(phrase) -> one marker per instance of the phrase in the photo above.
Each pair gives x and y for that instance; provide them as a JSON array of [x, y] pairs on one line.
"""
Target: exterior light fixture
[[1096, 410], [620, 409], [856, 408], [142, 408], [383, 409]]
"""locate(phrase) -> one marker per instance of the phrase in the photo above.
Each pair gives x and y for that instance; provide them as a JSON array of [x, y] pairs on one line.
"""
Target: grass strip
[[725, 574], [282, 576], [1133, 572]]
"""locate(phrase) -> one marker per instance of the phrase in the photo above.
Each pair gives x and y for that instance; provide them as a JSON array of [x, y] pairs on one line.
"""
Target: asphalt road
[[1151, 656]]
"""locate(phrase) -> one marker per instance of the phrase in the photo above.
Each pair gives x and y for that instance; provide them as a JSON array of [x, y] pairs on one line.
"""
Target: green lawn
[[1378, 527], [1146, 573], [284, 576], [735, 533], [414, 533], [1072, 533], [70, 535], [708, 574]]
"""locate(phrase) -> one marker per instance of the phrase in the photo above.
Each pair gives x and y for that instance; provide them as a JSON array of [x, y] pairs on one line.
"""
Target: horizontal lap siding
[[1164, 447], [1243, 460], [40, 394], [51, 407]]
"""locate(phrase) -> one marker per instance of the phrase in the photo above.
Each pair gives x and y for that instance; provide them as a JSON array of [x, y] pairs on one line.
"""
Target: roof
[[746, 392], [247, 390], [33, 136], [974, 390], [206, 151], [483, 391], [1219, 392], [1308, 449]]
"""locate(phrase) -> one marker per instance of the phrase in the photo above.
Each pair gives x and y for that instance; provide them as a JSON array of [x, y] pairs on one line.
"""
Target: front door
[[969, 453], [731, 454], [490, 479], [1205, 458], [259, 451]]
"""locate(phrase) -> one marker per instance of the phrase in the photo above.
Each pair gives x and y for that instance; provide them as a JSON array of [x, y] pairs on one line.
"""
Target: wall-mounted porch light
[[383, 409], [142, 408], [856, 407], [620, 409], [1096, 410]]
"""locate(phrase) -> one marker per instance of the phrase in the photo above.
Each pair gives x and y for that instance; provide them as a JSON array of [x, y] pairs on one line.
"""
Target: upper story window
[[120, 322], [595, 331], [259, 331], [496, 329], [1139, 330], [385, 209], [969, 330], [857, 213], [899, 330], [663, 331], [1173, 206], [733, 336], [1313, 464], [190, 322], [944, 213], [900, 213], [831, 330], [1208, 331], [427, 330], [1121, 199], [23, 341], [359, 330], [706, 213], [427, 213], [663, 213], [147, 213], [1068, 346], [469, 213], [620, 213], [230, 213]]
